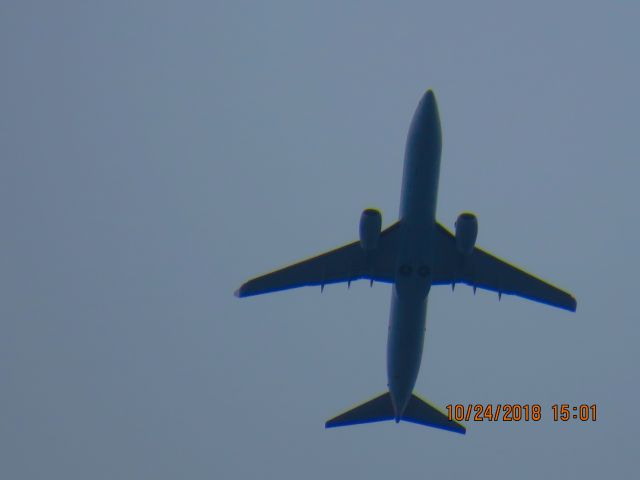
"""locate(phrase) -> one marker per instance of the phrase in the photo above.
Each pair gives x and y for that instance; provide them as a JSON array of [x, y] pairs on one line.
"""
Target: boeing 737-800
[[413, 254]]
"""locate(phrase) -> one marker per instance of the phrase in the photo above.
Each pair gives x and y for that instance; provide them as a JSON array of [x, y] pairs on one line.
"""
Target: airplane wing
[[483, 270], [343, 264]]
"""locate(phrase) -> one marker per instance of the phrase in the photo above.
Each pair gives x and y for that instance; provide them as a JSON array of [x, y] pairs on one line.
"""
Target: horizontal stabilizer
[[381, 408], [376, 410], [419, 411]]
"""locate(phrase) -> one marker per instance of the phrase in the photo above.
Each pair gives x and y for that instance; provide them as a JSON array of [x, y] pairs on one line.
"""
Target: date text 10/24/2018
[[518, 412]]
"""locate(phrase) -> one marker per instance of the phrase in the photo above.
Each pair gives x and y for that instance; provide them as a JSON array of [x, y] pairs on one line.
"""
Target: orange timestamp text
[[519, 412]]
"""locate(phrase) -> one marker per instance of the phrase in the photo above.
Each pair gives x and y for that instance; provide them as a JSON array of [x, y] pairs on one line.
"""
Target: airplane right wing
[[343, 264], [481, 269]]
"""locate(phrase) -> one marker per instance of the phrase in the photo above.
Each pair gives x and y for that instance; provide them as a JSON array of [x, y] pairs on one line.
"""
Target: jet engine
[[466, 232], [370, 226]]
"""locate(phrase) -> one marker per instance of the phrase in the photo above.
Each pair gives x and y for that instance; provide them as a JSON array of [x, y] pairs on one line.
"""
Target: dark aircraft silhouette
[[413, 254]]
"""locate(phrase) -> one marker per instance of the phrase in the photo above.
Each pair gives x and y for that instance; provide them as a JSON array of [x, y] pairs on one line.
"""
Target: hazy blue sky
[[156, 154]]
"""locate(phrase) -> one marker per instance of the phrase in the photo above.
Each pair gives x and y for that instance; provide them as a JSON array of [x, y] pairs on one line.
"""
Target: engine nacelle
[[370, 226], [466, 232]]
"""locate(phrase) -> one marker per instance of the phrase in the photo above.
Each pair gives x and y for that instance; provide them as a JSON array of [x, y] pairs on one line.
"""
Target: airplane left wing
[[344, 264], [483, 270]]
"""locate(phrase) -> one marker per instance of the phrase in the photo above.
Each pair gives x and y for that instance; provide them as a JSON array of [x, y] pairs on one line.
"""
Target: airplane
[[413, 254]]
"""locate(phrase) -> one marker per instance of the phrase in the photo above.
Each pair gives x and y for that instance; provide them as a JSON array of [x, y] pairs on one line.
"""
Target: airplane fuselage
[[415, 256], [412, 254]]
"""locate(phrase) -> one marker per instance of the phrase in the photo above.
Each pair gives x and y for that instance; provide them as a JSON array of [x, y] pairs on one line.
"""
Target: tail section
[[381, 408], [419, 411], [377, 410]]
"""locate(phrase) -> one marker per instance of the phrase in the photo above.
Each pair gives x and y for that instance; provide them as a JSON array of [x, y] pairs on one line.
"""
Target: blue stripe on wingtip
[[454, 427], [360, 422], [571, 307], [246, 291]]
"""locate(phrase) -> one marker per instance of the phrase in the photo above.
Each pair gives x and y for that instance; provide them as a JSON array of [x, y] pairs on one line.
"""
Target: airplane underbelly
[[420, 190], [404, 345]]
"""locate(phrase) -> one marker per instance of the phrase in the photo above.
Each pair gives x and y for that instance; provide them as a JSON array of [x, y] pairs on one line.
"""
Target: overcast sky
[[155, 155]]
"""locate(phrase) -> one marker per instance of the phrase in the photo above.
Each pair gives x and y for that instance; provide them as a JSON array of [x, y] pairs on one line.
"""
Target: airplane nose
[[426, 117], [425, 138], [428, 100]]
